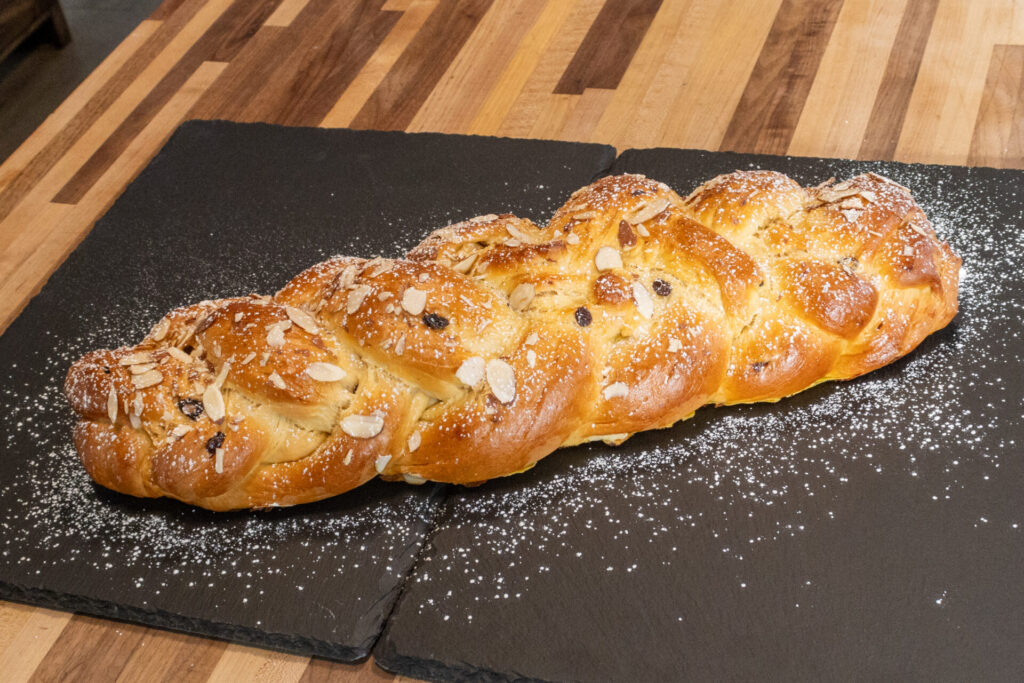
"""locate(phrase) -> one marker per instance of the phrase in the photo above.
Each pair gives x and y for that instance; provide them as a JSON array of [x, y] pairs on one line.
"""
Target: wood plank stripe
[[286, 12], [701, 83], [162, 656], [333, 52], [882, 132], [240, 663], [406, 87], [998, 138], [324, 671], [536, 93], [166, 9], [55, 229], [774, 96], [16, 163], [219, 43], [513, 79], [378, 65], [94, 650], [580, 123], [36, 172], [839, 105], [609, 46], [463, 88], [32, 641]]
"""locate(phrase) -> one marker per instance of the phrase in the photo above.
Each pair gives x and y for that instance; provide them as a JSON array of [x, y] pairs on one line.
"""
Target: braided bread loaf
[[496, 341]]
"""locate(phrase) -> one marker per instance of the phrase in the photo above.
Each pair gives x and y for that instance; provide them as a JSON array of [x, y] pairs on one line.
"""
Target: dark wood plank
[[893, 97], [166, 9], [409, 82], [998, 138], [609, 46], [333, 54], [167, 657], [221, 42], [773, 98], [43, 162], [91, 650]]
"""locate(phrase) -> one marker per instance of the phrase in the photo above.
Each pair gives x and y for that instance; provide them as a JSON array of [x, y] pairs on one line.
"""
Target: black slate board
[[868, 530], [223, 210]]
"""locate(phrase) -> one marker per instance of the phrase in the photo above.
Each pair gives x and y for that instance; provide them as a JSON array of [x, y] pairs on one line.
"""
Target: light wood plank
[[840, 102], [32, 642], [240, 663], [285, 13]]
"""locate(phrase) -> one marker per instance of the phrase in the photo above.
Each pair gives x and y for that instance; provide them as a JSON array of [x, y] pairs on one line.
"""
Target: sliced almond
[[521, 297], [112, 405], [302, 319], [213, 403], [531, 339], [179, 355], [362, 426], [356, 298], [325, 372], [180, 431], [471, 372], [641, 230], [607, 258], [616, 390], [147, 379], [531, 357], [348, 457], [277, 381], [137, 358], [218, 461], [466, 264], [159, 330], [414, 300], [642, 298], [647, 211], [223, 374], [141, 369], [572, 238], [674, 345], [248, 359], [238, 317], [517, 233], [502, 378], [414, 441], [135, 421], [381, 462], [400, 346], [275, 335], [414, 479], [137, 405]]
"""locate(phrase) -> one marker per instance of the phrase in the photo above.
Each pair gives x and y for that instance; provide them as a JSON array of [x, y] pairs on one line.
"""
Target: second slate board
[[224, 210], [870, 529]]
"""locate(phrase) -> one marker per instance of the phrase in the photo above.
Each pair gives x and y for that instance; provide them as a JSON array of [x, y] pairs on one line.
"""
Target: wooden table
[[914, 80]]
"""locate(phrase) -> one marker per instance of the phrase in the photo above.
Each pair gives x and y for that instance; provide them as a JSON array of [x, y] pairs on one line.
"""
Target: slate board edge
[[169, 621]]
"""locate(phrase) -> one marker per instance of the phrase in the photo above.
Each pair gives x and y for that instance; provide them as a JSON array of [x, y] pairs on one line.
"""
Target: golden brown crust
[[497, 341]]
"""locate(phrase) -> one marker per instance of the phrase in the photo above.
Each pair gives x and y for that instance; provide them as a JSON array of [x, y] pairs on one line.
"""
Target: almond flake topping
[[238, 317], [465, 265], [648, 210], [137, 405], [424, 277], [248, 359], [213, 403], [644, 303], [572, 238], [502, 379], [137, 358], [302, 319], [180, 431], [218, 461], [414, 300], [325, 372], [642, 230], [414, 441], [400, 346], [362, 426], [674, 345], [414, 479], [112, 404], [521, 297], [159, 331], [356, 297], [616, 390], [179, 355], [276, 380], [381, 462], [531, 339], [348, 457], [531, 357], [471, 372], [908, 250], [384, 296], [275, 335], [517, 233], [607, 258], [141, 369], [147, 379], [135, 421]]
